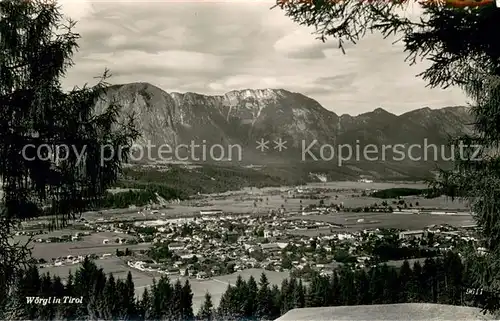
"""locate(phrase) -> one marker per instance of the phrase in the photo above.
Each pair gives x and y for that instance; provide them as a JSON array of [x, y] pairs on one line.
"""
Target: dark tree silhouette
[[463, 49], [36, 50], [207, 309]]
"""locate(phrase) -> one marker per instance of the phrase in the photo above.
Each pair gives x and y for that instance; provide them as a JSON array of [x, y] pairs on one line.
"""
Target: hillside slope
[[405, 311]]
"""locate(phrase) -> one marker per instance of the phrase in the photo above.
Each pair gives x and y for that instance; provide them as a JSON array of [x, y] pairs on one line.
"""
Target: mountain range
[[244, 117]]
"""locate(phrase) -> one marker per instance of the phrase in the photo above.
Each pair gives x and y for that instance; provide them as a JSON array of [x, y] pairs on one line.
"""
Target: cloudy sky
[[213, 47]]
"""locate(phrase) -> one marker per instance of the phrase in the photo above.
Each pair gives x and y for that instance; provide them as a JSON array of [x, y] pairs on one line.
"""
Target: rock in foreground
[[406, 311]]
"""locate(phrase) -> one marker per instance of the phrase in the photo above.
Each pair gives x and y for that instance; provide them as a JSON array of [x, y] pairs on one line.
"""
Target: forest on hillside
[[442, 280]]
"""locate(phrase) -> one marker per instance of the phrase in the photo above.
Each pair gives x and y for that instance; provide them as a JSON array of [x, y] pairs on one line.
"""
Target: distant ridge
[[404, 311], [244, 117]]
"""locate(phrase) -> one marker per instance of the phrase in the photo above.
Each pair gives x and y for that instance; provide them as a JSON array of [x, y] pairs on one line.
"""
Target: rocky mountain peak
[[267, 93], [380, 111]]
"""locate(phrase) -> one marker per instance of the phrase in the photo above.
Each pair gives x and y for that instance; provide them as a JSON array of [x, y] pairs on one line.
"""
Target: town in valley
[[211, 239]]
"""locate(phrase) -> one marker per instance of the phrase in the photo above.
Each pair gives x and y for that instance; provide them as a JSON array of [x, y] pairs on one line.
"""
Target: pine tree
[[240, 297], [129, 297], [226, 308], [393, 286], [299, 295], [84, 281], [37, 48], [110, 310], [314, 295], [176, 305], [187, 302], [69, 310], [69, 287], [206, 312], [385, 274], [17, 307], [145, 305], [335, 289], [286, 304], [121, 308], [46, 312], [291, 290], [376, 285], [97, 301], [58, 292], [362, 284], [163, 298], [405, 278], [418, 285], [454, 272], [442, 294], [276, 305], [264, 299], [32, 284], [251, 298], [429, 275], [347, 287], [156, 302]]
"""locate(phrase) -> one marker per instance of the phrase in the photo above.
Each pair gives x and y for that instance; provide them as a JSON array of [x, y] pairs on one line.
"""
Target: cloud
[[301, 44], [214, 47], [76, 9]]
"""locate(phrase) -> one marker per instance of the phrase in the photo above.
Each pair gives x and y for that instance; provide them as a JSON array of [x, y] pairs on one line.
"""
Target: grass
[[48, 251], [382, 220], [109, 265], [177, 181]]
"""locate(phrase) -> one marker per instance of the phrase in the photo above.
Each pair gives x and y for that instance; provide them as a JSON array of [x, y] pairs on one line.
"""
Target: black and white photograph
[[249, 160]]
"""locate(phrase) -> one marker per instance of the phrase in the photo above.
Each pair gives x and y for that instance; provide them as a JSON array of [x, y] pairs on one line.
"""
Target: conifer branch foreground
[[36, 46], [463, 49]]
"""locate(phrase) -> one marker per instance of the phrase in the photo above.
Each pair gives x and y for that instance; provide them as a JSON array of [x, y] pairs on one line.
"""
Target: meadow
[[404, 221], [92, 244], [216, 286], [262, 200]]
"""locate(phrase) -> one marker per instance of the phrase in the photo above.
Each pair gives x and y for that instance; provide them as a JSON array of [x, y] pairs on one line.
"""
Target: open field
[[361, 201], [381, 220], [360, 185], [216, 286], [121, 190], [242, 201], [55, 233], [109, 265], [90, 240], [48, 251], [340, 185], [88, 245]]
